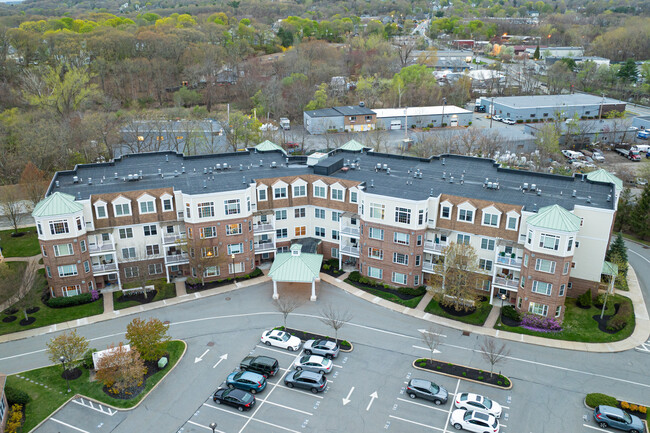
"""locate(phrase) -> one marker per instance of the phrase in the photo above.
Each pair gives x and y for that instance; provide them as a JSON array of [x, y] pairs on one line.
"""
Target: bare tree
[[432, 338], [335, 319], [11, 205], [286, 307], [494, 353], [405, 47]]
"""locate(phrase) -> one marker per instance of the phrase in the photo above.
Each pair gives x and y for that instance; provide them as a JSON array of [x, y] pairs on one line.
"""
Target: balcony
[[104, 268], [350, 250], [177, 259], [434, 247], [264, 247], [263, 228], [511, 283], [350, 231], [101, 248], [509, 261], [174, 238]]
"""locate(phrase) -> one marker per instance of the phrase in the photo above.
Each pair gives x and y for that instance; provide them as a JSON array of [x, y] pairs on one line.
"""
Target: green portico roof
[[267, 146], [605, 176], [57, 204], [609, 268], [296, 267], [353, 145], [555, 217]]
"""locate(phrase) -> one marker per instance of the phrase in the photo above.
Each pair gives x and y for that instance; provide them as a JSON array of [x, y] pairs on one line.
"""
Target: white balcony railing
[[104, 267], [506, 282], [263, 247], [175, 259], [173, 238], [263, 227], [350, 250], [509, 261], [350, 231], [101, 248], [434, 247]]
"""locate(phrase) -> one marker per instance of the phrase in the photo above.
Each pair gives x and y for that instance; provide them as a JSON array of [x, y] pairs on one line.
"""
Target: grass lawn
[[411, 303], [46, 315], [476, 318], [579, 324], [165, 291], [24, 246], [18, 267], [44, 401]]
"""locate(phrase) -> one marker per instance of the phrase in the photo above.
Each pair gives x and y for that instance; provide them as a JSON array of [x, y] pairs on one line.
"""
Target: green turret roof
[[555, 217], [267, 146], [296, 267], [605, 176], [353, 145], [57, 204]]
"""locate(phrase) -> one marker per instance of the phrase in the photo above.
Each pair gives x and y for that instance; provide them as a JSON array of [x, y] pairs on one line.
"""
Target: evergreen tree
[[618, 254], [640, 221], [628, 71], [624, 211], [536, 54]]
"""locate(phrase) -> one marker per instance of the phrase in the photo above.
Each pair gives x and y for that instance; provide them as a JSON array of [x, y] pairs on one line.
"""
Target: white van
[[572, 154], [641, 148]]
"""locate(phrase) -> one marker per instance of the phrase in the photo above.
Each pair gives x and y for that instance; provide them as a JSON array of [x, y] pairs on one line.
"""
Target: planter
[[462, 372], [344, 345]]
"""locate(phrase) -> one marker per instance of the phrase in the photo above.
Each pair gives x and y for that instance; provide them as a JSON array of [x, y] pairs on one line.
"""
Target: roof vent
[[225, 166], [346, 163], [609, 196], [129, 177], [205, 170], [462, 181], [75, 179], [166, 158], [261, 163], [525, 187], [385, 166], [485, 183], [533, 187], [353, 166], [372, 183], [588, 199], [183, 169], [444, 175], [175, 173], [56, 183], [241, 167], [489, 185], [159, 171], [451, 179], [388, 171], [431, 192], [273, 165], [218, 167], [539, 191], [420, 175], [210, 170], [243, 179], [573, 194], [415, 175], [78, 195], [205, 183], [378, 166], [358, 166], [443, 161], [116, 173]]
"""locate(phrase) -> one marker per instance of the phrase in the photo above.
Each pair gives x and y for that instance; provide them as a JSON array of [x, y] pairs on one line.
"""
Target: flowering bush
[[94, 295], [540, 323]]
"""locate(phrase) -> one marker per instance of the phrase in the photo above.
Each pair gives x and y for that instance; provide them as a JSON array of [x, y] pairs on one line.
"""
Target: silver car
[[427, 390], [325, 348], [314, 363]]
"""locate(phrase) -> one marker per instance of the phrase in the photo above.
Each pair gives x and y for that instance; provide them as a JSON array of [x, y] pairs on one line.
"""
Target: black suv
[[263, 365]]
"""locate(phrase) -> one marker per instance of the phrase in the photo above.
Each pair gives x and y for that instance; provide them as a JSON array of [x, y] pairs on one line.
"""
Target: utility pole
[[492, 110]]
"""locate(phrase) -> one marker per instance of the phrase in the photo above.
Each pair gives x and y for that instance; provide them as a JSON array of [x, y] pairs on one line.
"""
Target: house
[[339, 119]]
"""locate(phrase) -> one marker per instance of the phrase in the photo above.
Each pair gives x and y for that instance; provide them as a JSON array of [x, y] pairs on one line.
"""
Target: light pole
[[213, 426], [444, 102], [233, 264], [503, 298], [62, 359], [492, 111]]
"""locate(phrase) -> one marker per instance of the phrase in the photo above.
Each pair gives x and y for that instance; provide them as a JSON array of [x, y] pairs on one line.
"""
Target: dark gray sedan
[[315, 382], [427, 390], [325, 348]]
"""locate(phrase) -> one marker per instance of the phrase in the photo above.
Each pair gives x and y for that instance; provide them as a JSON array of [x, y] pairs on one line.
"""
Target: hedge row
[[16, 396], [356, 277], [621, 318], [70, 301]]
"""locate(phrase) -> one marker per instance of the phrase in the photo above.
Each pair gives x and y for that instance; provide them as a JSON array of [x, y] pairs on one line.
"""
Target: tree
[[628, 72], [286, 306], [547, 141], [120, 369], [186, 97], [624, 211], [33, 183], [203, 253], [493, 353], [559, 77], [242, 130], [432, 338], [640, 223], [11, 205], [10, 280], [459, 272], [335, 319], [148, 337], [70, 345], [320, 99], [536, 54]]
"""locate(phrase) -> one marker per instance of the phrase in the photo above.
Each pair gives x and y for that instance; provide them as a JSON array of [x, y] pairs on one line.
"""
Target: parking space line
[[285, 407], [595, 428], [204, 426], [451, 408], [227, 411], [69, 426], [414, 422], [286, 352], [272, 425], [423, 405]]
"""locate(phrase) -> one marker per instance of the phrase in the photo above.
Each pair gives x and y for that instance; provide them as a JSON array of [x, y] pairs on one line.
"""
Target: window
[[82, 245], [523, 282], [401, 238], [232, 206], [487, 244], [402, 215], [569, 285], [319, 191], [512, 223], [570, 244], [490, 219], [188, 212], [153, 250], [418, 242], [485, 285], [418, 260], [320, 213], [375, 253], [300, 191], [233, 229], [147, 207], [577, 244], [261, 194], [79, 225], [566, 268], [281, 233], [235, 248], [150, 230], [335, 235], [40, 229], [445, 212], [100, 211], [561, 292], [337, 194], [122, 209], [129, 253], [335, 253], [542, 288], [86, 266], [462, 239], [280, 192], [59, 227], [281, 215], [539, 309], [375, 233], [465, 215], [558, 311], [43, 251], [210, 252], [319, 232], [353, 119], [155, 268], [299, 212], [167, 205], [238, 267], [549, 242], [336, 216], [421, 216], [63, 250], [400, 259], [545, 266], [399, 278], [375, 272], [301, 231], [208, 232], [377, 211], [526, 260], [212, 271], [126, 233], [416, 280], [484, 264], [131, 272], [354, 196], [67, 270], [48, 271]]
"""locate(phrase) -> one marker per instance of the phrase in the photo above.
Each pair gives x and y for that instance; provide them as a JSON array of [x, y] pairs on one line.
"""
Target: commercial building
[[420, 117], [545, 107], [538, 237], [339, 119]]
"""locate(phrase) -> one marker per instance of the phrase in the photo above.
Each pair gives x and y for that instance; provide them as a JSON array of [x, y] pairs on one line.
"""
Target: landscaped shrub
[[621, 318], [354, 276], [326, 267], [600, 300], [15, 419], [510, 312], [69, 301], [584, 300], [413, 291], [540, 323], [256, 273], [520, 121], [88, 359], [596, 399], [16, 396]]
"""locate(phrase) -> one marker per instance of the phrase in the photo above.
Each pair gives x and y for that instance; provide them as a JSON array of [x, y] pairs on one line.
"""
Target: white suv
[[474, 421]]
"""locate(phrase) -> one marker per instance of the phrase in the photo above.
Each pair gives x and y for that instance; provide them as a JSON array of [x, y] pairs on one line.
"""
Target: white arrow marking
[[346, 400], [427, 349], [373, 396], [221, 358], [424, 331], [200, 358]]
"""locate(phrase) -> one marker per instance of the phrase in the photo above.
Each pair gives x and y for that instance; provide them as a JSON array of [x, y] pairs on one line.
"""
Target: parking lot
[[83, 416]]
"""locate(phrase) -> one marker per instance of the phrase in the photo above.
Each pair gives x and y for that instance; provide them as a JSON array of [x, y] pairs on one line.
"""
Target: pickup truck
[[632, 155]]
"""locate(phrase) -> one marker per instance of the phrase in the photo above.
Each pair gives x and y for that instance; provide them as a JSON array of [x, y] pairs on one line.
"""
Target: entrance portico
[[296, 267]]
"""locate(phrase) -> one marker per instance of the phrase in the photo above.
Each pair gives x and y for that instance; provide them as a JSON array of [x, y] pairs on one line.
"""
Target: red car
[[292, 145]]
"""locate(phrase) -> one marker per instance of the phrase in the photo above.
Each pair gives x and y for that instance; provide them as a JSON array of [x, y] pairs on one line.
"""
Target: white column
[[313, 290], [167, 273], [275, 290]]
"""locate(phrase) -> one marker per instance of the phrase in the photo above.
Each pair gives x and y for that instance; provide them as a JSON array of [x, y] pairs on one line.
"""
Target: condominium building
[[538, 237]]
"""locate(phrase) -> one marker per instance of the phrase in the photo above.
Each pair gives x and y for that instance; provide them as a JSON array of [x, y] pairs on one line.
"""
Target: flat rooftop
[[553, 100], [192, 175], [419, 111]]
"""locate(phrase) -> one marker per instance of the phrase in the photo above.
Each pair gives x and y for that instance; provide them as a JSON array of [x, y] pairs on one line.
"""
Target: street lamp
[[213, 426], [233, 264], [62, 359], [503, 298], [444, 102]]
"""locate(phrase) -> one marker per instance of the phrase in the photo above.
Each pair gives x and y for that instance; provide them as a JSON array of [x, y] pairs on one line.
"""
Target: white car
[[509, 121], [474, 421], [469, 401], [497, 118], [314, 363], [281, 339]]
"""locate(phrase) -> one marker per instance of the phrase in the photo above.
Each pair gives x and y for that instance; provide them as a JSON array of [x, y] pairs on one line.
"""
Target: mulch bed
[[602, 323], [132, 392], [304, 336], [402, 296], [18, 235], [11, 311], [191, 288], [32, 310], [138, 297], [73, 374], [29, 321], [463, 372], [333, 272], [510, 322], [462, 313], [9, 319]]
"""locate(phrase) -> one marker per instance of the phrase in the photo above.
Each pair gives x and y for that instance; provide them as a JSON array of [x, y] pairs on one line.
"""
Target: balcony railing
[[509, 261], [434, 247], [506, 282], [101, 248], [351, 231], [350, 250], [262, 247], [431, 267], [177, 258], [105, 267], [263, 227], [172, 238]]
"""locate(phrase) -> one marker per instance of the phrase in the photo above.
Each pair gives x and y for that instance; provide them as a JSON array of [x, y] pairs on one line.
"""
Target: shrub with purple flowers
[[94, 295], [540, 323]]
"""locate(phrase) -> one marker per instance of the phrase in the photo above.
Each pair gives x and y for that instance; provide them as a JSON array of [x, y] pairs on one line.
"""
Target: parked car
[[497, 118], [427, 390], [325, 348], [264, 365], [641, 181], [608, 416], [509, 121], [468, 401], [314, 363], [598, 156], [247, 381], [242, 400], [474, 421], [315, 382], [292, 145], [281, 339]]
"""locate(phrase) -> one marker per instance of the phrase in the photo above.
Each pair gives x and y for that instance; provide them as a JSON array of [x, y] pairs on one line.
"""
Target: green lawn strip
[[579, 324], [476, 318], [15, 267], [44, 401], [23, 246], [167, 291], [48, 316], [411, 303]]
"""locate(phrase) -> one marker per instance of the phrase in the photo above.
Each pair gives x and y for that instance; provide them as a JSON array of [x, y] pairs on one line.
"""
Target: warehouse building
[[421, 117], [350, 118]]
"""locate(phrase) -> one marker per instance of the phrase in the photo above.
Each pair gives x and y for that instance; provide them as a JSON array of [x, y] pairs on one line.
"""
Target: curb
[[461, 377], [323, 336]]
